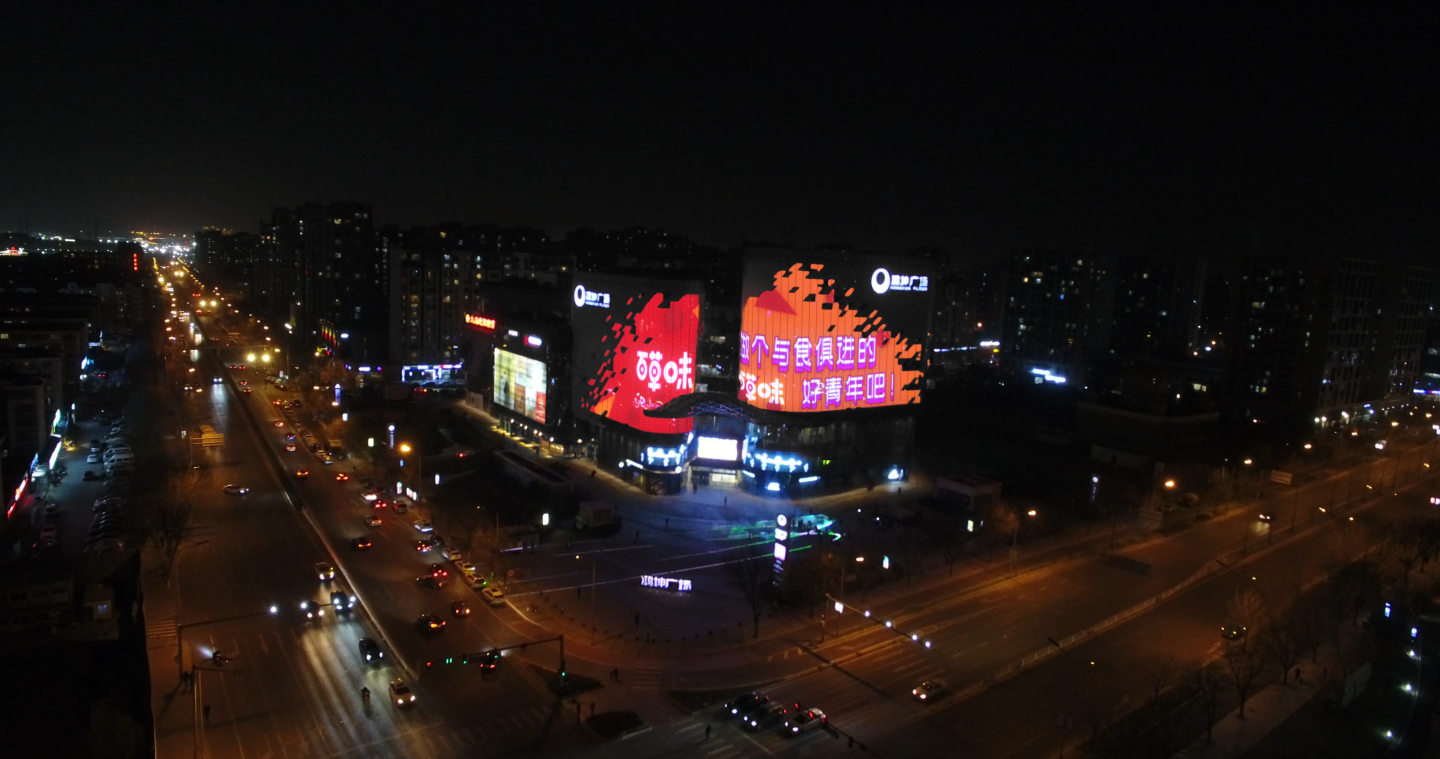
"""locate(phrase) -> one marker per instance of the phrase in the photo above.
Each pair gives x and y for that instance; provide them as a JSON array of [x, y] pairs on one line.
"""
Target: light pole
[[1015, 540], [420, 476]]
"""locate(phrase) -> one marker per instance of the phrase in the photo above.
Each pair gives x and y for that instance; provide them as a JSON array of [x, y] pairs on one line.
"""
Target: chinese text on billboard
[[810, 342], [637, 354]]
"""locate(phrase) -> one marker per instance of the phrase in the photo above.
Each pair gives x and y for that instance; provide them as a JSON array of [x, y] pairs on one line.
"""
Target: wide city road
[[291, 686]]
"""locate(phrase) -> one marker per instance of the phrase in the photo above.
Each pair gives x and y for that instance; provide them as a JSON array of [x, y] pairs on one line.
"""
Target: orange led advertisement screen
[[821, 332]]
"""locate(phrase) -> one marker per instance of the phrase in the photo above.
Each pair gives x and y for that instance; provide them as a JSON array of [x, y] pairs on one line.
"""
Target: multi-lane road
[[292, 686]]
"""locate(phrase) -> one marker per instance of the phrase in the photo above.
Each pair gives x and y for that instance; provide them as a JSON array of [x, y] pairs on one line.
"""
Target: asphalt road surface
[[291, 687]]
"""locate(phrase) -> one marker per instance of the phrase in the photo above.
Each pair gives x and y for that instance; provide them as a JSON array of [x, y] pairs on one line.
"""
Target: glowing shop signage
[[585, 297], [668, 583], [485, 323], [882, 281]]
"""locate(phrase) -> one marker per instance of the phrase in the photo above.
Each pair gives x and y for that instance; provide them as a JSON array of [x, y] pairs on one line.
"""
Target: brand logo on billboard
[[585, 298], [882, 281]]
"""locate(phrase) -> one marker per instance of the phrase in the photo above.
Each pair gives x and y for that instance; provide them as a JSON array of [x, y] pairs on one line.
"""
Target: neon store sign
[[486, 323], [802, 350]]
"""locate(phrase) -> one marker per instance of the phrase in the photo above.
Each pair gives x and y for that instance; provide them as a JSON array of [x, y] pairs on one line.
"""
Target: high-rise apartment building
[[227, 257], [1053, 315]]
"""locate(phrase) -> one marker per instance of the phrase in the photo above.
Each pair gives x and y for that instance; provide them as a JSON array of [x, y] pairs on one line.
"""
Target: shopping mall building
[[811, 381]]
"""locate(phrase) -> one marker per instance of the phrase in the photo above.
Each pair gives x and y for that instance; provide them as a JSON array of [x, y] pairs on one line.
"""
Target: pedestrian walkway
[[644, 675], [1233, 737]]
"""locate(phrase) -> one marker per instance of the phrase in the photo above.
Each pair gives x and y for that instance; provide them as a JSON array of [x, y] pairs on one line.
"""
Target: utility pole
[[593, 624]]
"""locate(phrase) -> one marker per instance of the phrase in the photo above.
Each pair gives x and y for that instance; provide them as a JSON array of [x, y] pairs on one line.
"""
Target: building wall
[[1053, 312]]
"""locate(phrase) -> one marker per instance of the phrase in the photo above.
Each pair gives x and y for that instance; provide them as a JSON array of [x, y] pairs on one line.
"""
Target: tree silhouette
[[754, 577]]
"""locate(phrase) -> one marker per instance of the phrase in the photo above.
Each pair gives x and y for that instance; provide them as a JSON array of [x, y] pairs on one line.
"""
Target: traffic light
[[465, 659], [449, 660], [562, 669], [429, 664]]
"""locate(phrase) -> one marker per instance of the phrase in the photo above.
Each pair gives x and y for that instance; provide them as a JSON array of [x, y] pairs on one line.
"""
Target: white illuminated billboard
[[520, 384], [717, 449]]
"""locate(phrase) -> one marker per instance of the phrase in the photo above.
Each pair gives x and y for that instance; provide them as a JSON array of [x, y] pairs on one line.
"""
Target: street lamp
[[1015, 540]]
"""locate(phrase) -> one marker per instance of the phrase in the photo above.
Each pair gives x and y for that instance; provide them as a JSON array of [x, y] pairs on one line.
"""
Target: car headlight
[[367, 657], [412, 697], [922, 696], [400, 702]]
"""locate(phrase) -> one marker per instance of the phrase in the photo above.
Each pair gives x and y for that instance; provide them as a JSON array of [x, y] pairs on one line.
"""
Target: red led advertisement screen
[[830, 334], [634, 347]]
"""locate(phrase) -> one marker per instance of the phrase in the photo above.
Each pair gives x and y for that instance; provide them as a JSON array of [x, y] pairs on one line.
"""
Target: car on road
[[928, 690], [431, 581], [302, 473], [325, 458], [437, 570], [372, 521], [312, 609], [453, 554], [233, 489], [489, 660], [371, 650], [279, 423], [370, 493], [400, 507], [769, 714], [424, 525], [289, 436], [1266, 516], [425, 546], [493, 596], [90, 476], [108, 502], [51, 509], [381, 504], [93, 458], [342, 477], [743, 703], [804, 721], [289, 447], [325, 570], [245, 390], [1232, 631], [430, 623], [361, 543], [341, 601], [460, 608], [400, 693]]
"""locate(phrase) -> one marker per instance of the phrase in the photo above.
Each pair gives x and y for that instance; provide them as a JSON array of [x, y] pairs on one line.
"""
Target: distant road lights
[[1248, 462], [1308, 446], [888, 623], [915, 637], [1169, 484], [839, 607], [927, 644], [249, 356]]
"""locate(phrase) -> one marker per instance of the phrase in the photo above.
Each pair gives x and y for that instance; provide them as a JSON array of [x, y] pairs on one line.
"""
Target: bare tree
[[1281, 644], [1247, 608], [1244, 668], [951, 541], [1158, 673], [1205, 683], [754, 576], [168, 516], [910, 549]]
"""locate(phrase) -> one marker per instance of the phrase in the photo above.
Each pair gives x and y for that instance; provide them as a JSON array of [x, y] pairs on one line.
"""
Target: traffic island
[[612, 725]]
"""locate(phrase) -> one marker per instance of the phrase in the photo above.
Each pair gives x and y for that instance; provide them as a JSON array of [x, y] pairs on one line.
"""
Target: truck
[[335, 447], [593, 514]]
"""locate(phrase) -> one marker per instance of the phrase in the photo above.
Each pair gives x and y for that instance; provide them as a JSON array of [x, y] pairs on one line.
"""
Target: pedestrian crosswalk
[[162, 629], [645, 675]]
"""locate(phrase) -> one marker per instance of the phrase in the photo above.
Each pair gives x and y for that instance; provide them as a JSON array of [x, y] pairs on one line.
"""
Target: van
[[124, 457]]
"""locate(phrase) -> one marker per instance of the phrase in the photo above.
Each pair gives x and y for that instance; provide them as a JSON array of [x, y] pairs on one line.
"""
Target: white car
[[93, 458], [325, 570], [805, 721], [453, 554], [493, 596], [235, 489], [424, 525], [401, 694], [928, 690]]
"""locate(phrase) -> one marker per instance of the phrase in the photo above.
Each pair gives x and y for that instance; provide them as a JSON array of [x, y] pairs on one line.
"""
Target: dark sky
[[1128, 127]]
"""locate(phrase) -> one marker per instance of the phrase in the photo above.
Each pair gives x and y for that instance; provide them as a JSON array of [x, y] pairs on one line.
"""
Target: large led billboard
[[520, 384], [826, 332], [634, 347]]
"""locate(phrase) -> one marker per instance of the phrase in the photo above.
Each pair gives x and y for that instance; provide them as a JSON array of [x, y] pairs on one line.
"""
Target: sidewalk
[[1233, 737]]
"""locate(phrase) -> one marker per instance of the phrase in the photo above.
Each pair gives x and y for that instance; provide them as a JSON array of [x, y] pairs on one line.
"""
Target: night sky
[[1131, 128]]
